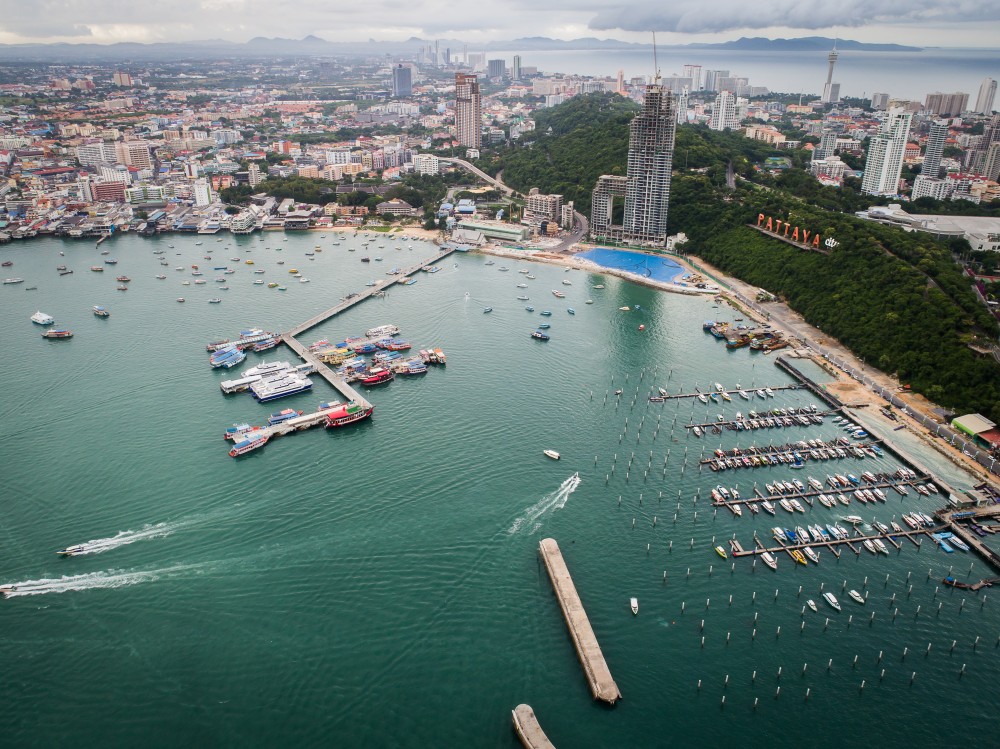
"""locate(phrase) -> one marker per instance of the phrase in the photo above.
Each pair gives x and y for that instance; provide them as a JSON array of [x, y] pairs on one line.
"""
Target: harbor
[[404, 545]]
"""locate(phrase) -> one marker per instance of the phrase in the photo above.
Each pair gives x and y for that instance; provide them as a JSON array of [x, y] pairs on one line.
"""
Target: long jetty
[[370, 291], [602, 685], [528, 729], [751, 392], [338, 383]]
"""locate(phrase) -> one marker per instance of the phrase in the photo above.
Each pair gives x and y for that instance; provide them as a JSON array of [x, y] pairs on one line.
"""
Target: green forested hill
[[895, 298]]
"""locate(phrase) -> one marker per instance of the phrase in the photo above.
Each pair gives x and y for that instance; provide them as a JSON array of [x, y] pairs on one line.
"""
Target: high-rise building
[[646, 187], [991, 164], [880, 101], [203, 193], [935, 147], [253, 174], [885, 154], [496, 68], [402, 83], [987, 94], [515, 68], [122, 79], [827, 146], [831, 90], [134, 153], [724, 112], [712, 79], [946, 105], [468, 111], [682, 106], [694, 73], [620, 83]]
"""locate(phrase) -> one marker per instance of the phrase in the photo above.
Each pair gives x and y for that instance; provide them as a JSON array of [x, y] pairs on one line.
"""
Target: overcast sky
[[959, 23]]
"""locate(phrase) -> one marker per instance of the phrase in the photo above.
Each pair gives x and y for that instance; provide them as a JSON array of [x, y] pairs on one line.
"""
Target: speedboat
[[70, 551], [769, 560], [720, 551], [811, 553], [551, 454], [831, 599], [634, 605], [853, 519], [867, 543], [856, 596], [812, 605]]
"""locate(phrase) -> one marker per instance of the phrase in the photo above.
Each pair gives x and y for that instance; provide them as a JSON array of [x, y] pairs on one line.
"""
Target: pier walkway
[[528, 729], [338, 383], [369, 291], [963, 532], [298, 424], [602, 685], [751, 392], [832, 543]]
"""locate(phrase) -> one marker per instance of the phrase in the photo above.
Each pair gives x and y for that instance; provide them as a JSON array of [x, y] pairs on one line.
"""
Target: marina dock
[[602, 685], [951, 518], [369, 291], [752, 392], [339, 384], [884, 482], [298, 424], [527, 728], [832, 543]]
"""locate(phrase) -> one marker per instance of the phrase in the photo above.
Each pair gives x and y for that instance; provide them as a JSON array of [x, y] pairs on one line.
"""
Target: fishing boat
[[551, 454], [634, 605], [57, 335], [378, 376], [40, 318], [720, 551], [768, 559], [856, 596], [831, 599], [101, 311], [539, 335]]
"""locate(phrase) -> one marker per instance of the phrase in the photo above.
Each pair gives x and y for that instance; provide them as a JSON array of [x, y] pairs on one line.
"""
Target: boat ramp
[[602, 685]]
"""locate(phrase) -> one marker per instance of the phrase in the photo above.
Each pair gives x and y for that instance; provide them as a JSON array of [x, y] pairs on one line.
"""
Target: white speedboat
[[70, 551], [853, 519], [811, 553], [856, 596], [867, 543], [551, 454], [880, 546], [634, 605], [831, 599], [812, 605], [769, 560]]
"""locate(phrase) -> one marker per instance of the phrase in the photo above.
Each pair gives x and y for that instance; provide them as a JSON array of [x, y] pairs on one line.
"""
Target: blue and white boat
[[280, 416], [280, 387], [227, 356]]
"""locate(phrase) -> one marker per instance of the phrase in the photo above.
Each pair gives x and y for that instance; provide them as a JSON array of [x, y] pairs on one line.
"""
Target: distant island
[[313, 45]]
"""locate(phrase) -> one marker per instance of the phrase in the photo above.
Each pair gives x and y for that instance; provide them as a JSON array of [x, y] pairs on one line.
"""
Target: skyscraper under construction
[[646, 188]]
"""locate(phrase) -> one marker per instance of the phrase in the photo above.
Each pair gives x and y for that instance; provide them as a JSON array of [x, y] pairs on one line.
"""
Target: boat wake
[[123, 538], [550, 502], [88, 581]]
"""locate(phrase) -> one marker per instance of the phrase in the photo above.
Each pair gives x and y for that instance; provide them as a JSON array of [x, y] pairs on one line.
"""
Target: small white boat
[[812, 605], [70, 551], [768, 559], [856, 596], [853, 519], [551, 454], [634, 605], [867, 543], [811, 553], [831, 599]]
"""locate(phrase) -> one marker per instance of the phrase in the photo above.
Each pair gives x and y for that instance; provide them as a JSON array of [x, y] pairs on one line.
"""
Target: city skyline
[[921, 22]]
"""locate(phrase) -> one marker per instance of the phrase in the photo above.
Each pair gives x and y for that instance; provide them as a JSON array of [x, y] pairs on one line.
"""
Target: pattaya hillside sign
[[794, 234]]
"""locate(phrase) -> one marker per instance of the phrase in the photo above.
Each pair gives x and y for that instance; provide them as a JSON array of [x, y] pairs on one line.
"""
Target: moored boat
[[101, 311], [551, 454], [348, 414], [856, 596], [634, 605], [831, 599], [57, 335]]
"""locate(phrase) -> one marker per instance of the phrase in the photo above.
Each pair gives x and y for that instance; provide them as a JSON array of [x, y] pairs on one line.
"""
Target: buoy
[[642, 327]]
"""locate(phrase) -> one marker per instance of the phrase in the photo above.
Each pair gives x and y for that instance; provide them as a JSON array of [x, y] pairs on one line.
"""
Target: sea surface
[[906, 75], [380, 585]]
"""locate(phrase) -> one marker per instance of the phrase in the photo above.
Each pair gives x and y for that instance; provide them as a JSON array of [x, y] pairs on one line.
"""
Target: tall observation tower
[[831, 90]]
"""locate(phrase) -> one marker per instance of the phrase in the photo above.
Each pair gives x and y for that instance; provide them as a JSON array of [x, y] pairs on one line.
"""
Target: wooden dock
[[369, 291], [739, 551], [963, 532], [810, 492], [751, 392], [731, 424], [602, 685], [528, 729]]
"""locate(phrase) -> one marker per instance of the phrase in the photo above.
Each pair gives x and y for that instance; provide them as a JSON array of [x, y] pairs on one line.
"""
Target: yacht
[[634, 605], [831, 599], [768, 559], [551, 454], [856, 596], [812, 604], [41, 318]]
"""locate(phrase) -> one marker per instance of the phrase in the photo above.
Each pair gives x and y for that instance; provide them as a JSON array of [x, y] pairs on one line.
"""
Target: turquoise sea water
[[380, 585]]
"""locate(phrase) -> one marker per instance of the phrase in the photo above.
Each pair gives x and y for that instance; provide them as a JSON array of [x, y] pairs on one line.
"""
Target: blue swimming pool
[[651, 266]]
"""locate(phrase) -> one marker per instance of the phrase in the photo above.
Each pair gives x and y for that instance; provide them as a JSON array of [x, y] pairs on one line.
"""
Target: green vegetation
[[897, 299]]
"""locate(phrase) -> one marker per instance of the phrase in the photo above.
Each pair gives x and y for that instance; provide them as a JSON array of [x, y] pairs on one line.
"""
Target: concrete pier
[[602, 685], [527, 728], [338, 383]]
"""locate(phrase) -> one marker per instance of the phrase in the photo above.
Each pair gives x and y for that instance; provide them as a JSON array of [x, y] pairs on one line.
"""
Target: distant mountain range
[[312, 46]]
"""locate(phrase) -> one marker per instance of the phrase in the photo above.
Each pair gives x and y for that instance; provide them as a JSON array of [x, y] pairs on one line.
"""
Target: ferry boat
[[249, 443], [57, 335], [40, 318], [283, 415], [378, 376], [101, 311], [539, 335], [382, 331], [348, 414], [279, 387], [265, 345]]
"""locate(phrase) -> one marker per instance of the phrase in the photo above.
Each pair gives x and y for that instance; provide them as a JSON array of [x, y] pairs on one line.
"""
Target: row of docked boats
[[793, 455], [247, 438], [247, 340], [261, 371]]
